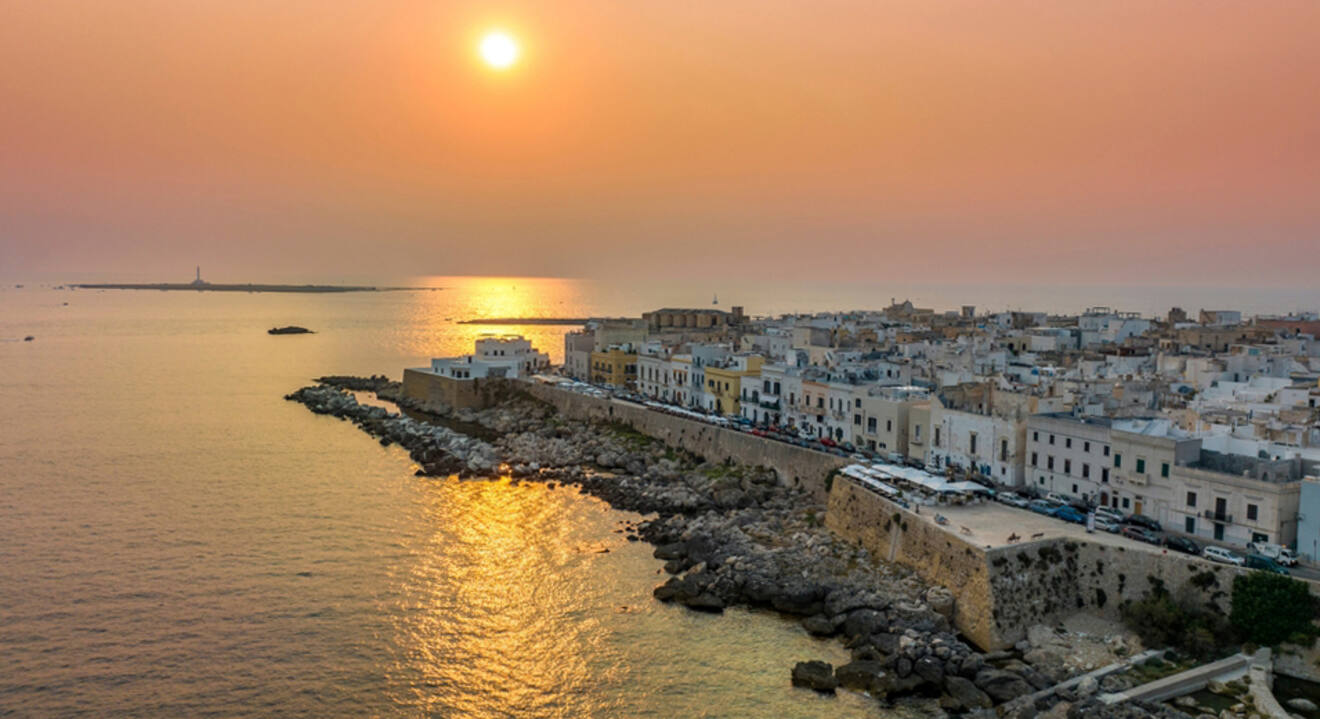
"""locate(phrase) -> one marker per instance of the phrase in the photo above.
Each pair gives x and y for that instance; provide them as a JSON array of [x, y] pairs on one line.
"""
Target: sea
[[177, 540]]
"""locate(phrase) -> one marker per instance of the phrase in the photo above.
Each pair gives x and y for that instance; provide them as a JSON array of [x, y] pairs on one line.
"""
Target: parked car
[[1105, 524], [1223, 556], [1182, 544], [1069, 514], [828, 442], [1141, 534], [1141, 520], [1280, 554], [1013, 499], [1112, 514], [1042, 506], [1264, 563], [1056, 498]]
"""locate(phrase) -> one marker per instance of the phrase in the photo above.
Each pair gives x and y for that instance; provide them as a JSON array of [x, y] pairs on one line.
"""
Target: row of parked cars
[[1269, 557]]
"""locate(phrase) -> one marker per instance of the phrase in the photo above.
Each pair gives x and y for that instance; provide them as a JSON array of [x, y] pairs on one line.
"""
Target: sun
[[498, 49]]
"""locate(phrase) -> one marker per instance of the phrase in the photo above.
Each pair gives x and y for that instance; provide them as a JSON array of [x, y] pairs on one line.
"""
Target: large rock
[[705, 602], [966, 693], [1002, 686], [1301, 704], [816, 675], [940, 600], [930, 669], [819, 625], [861, 675], [863, 622]]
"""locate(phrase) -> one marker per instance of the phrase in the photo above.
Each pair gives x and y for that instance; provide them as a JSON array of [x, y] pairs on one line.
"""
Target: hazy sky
[[1105, 141]]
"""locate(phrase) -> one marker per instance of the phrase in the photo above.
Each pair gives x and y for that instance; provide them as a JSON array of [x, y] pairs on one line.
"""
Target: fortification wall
[[895, 534], [796, 466]]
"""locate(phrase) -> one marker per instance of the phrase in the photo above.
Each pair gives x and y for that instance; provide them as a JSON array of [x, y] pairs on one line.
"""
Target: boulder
[[966, 693], [1001, 685], [862, 622], [940, 600], [860, 675], [1087, 686], [815, 675], [819, 625], [1301, 704], [930, 669], [705, 602]]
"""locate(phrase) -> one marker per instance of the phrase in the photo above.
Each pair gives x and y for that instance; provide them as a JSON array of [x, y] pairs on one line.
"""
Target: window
[[870, 425], [1074, 489], [1106, 450], [1118, 460], [1189, 525], [1049, 463], [1067, 442], [857, 420], [1086, 470], [1104, 474], [1191, 499], [937, 436], [1067, 466], [1164, 469], [1086, 446], [1126, 504], [1251, 512], [1003, 450], [857, 403], [889, 425], [1219, 532], [1141, 465], [1042, 480], [972, 439], [1033, 459], [916, 432], [1035, 436], [1051, 439], [1259, 538]]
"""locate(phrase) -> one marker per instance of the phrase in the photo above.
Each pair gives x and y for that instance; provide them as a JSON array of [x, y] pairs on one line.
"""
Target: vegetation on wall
[[1269, 608]]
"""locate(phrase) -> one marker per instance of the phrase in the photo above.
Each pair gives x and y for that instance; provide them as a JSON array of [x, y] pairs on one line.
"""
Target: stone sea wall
[[796, 466], [428, 388], [1047, 580], [895, 534]]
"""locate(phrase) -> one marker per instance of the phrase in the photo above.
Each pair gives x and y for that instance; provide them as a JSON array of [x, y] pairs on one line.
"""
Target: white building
[[509, 356]]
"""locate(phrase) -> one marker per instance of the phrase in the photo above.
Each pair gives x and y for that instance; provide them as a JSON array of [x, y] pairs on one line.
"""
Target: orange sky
[[1059, 142]]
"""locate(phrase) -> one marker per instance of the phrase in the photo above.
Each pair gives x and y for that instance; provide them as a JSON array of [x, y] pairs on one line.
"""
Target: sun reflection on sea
[[504, 637]]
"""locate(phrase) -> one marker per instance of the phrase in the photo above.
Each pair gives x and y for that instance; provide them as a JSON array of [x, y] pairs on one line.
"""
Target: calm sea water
[[177, 540]]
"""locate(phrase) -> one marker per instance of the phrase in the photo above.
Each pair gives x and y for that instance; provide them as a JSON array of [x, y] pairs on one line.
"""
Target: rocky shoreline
[[732, 535]]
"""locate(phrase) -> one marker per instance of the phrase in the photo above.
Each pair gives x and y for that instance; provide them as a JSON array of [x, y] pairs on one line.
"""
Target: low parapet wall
[[796, 466]]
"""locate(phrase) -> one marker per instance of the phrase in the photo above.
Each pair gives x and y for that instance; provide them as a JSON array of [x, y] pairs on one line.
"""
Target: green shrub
[[1268, 608], [1162, 621]]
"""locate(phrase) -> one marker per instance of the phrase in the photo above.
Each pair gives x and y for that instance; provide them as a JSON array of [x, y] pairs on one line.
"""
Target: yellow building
[[724, 384], [615, 366]]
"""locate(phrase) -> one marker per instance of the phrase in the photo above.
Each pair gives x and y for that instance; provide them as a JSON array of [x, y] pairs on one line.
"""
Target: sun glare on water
[[499, 50]]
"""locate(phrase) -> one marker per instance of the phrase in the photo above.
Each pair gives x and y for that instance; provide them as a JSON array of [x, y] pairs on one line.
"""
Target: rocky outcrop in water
[[729, 535]]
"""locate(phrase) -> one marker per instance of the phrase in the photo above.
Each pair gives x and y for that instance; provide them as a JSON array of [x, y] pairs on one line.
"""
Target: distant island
[[208, 287], [526, 321], [290, 330]]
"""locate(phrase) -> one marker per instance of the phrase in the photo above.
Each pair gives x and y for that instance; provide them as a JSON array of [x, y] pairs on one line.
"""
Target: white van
[[1280, 554], [1223, 556]]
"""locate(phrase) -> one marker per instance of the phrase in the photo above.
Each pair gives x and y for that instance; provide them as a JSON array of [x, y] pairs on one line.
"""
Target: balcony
[[1218, 516], [770, 404]]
